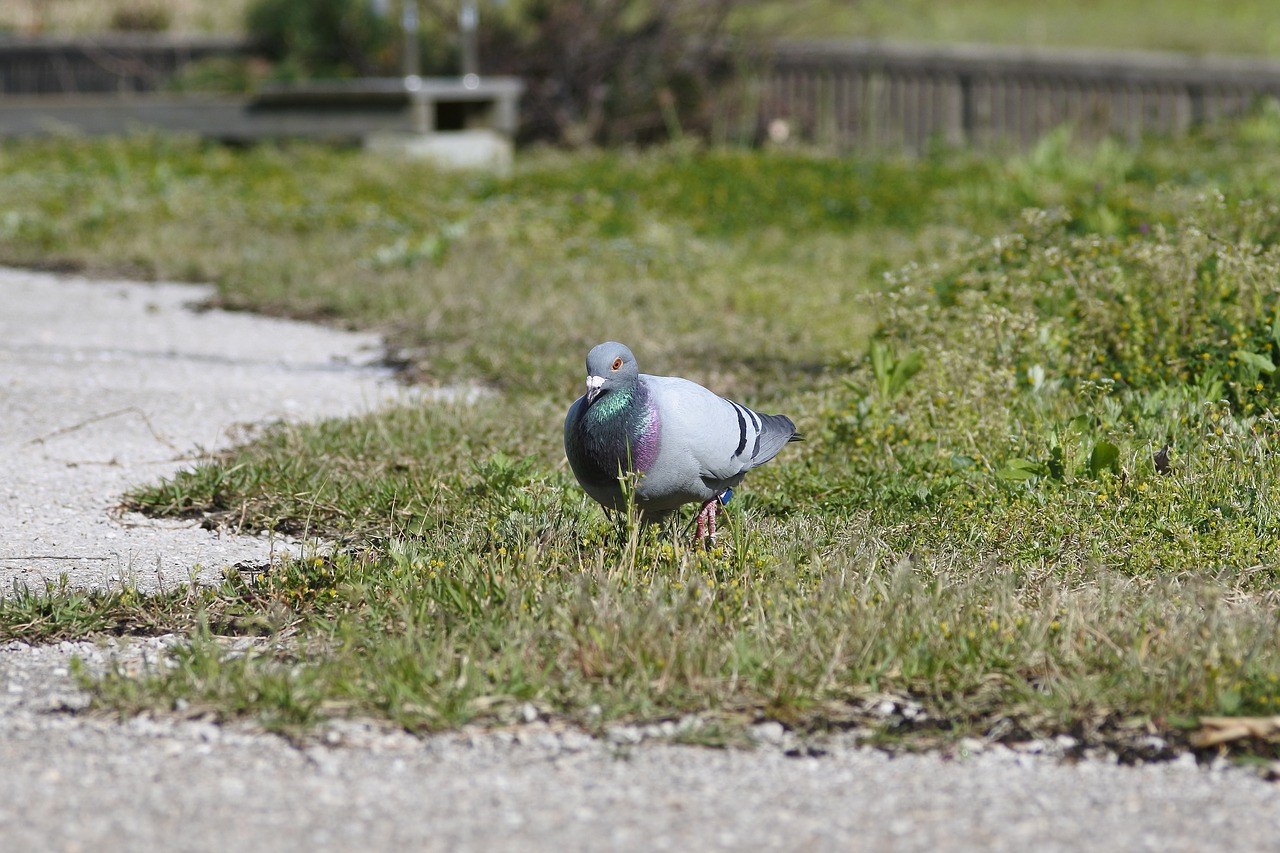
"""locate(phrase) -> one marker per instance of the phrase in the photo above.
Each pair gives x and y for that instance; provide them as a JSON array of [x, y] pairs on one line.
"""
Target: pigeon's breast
[[647, 433], [633, 428], [618, 433]]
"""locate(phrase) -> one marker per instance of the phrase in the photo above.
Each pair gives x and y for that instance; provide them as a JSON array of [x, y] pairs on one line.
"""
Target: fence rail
[[868, 94]]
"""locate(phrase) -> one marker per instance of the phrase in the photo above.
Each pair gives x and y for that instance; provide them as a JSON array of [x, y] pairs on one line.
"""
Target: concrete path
[[107, 384]]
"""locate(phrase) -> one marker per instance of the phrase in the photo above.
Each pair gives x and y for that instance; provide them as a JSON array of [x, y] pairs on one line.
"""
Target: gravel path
[[107, 384]]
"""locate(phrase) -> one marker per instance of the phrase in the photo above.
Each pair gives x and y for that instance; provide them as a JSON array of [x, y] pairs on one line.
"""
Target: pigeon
[[684, 443]]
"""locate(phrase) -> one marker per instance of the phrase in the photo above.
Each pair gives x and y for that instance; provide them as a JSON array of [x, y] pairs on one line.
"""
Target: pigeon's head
[[609, 365]]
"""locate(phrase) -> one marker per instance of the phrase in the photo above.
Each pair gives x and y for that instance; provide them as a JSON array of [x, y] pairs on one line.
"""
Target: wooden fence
[[113, 62], [842, 94], [849, 94]]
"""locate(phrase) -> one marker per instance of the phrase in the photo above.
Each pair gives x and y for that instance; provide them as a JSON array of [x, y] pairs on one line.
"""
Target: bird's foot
[[705, 534]]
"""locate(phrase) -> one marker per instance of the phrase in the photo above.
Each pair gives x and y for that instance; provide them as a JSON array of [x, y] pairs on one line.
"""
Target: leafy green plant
[[317, 38], [892, 374]]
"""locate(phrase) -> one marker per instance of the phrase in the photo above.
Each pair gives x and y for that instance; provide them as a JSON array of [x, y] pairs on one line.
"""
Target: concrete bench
[[457, 122]]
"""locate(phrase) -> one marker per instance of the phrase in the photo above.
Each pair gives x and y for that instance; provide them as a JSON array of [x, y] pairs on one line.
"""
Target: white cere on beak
[[594, 384]]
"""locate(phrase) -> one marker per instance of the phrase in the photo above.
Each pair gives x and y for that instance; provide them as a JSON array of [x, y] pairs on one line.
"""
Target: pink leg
[[707, 522]]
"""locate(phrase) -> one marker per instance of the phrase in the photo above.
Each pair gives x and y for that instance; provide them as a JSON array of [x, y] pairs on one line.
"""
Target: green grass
[[778, 246], [1241, 26], [986, 356], [608, 243], [61, 612], [804, 630]]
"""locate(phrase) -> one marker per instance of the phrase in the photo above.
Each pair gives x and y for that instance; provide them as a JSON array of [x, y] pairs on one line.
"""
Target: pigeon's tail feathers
[[775, 432]]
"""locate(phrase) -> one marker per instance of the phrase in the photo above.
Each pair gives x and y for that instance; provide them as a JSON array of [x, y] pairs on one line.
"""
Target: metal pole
[[468, 21], [409, 24]]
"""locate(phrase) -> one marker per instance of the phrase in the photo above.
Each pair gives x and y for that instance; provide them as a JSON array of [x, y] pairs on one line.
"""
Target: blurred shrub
[[596, 71], [612, 71], [323, 38], [1073, 398]]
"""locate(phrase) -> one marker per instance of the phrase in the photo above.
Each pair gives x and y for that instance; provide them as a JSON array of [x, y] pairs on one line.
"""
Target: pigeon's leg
[[706, 530]]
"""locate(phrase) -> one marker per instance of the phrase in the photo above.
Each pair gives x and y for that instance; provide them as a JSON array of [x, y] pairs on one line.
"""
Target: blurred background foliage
[[597, 71], [603, 72]]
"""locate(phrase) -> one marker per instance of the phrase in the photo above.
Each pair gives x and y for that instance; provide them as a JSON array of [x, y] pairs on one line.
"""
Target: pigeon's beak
[[594, 386]]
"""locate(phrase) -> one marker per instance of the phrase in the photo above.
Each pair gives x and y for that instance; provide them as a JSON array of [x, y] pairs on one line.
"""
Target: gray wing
[[722, 439]]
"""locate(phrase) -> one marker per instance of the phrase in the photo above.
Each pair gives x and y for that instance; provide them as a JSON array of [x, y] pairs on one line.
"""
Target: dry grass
[[47, 17]]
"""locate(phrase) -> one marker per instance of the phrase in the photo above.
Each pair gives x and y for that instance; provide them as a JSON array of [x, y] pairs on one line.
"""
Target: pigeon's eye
[[617, 363]]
